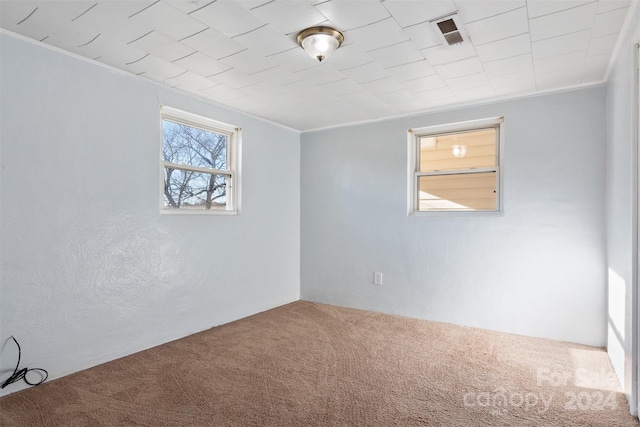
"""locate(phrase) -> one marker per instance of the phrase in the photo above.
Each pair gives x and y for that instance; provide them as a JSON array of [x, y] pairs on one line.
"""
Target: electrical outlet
[[377, 278]]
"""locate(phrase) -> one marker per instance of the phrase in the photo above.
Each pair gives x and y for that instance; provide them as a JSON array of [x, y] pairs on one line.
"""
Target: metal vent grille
[[449, 29], [447, 26]]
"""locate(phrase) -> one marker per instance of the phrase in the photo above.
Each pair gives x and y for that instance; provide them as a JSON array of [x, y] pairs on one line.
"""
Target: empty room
[[319, 213]]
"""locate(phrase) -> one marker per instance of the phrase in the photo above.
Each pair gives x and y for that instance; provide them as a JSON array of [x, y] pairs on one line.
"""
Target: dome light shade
[[320, 42]]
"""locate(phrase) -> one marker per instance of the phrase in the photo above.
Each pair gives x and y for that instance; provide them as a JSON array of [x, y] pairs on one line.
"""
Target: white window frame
[[413, 147], [234, 142]]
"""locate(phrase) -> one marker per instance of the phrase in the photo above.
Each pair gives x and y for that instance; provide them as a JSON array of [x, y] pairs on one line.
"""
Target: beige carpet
[[307, 364]]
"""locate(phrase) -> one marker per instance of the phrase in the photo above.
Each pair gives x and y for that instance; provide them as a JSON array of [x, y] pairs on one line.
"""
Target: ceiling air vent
[[449, 29]]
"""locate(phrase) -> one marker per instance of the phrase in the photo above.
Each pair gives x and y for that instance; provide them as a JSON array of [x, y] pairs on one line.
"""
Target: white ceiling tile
[[65, 10], [399, 54], [168, 21], [124, 9], [381, 34], [366, 73], [322, 73], [263, 90], [111, 53], [187, 6], [377, 109], [347, 15], [248, 61], [341, 87], [202, 64], [235, 79], [411, 71], [107, 21], [294, 59], [266, 40], [349, 56], [474, 10], [561, 45], [498, 27], [276, 76], [153, 68], [222, 93], [434, 95], [602, 45], [213, 44], [409, 106], [440, 55], [522, 78], [378, 72], [516, 90], [609, 22], [608, 5], [191, 81], [594, 68], [398, 97], [250, 104], [424, 83], [443, 103], [475, 93], [69, 36], [300, 88], [360, 98], [318, 100], [15, 12], [289, 16], [556, 80], [562, 63], [227, 17], [162, 46], [505, 48], [423, 35], [26, 18], [252, 4], [408, 13], [514, 64], [459, 69], [468, 82], [538, 8], [114, 52], [385, 85], [565, 22]]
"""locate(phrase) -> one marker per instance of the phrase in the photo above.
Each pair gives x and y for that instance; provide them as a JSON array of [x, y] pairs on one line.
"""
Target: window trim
[[234, 142], [413, 174]]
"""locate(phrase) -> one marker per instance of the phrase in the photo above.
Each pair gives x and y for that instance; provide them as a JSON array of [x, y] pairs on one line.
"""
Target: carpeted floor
[[307, 364]]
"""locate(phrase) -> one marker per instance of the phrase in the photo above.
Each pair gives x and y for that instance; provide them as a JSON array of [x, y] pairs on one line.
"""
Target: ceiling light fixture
[[320, 42]]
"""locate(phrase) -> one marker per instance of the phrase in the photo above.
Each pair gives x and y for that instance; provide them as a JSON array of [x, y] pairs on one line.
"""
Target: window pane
[[185, 189], [458, 192], [193, 146], [458, 151]]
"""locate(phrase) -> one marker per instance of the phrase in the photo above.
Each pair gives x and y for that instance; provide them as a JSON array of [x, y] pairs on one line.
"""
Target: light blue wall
[[537, 269], [621, 146], [90, 270]]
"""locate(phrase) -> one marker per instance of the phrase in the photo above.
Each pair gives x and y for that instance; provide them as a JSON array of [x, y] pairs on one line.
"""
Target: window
[[199, 163], [455, 167]]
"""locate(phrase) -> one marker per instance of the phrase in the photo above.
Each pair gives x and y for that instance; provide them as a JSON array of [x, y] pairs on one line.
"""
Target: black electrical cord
[[22, 373]]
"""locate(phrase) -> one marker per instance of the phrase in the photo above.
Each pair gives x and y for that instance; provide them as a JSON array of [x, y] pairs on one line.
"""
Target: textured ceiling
[[242, 53]]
